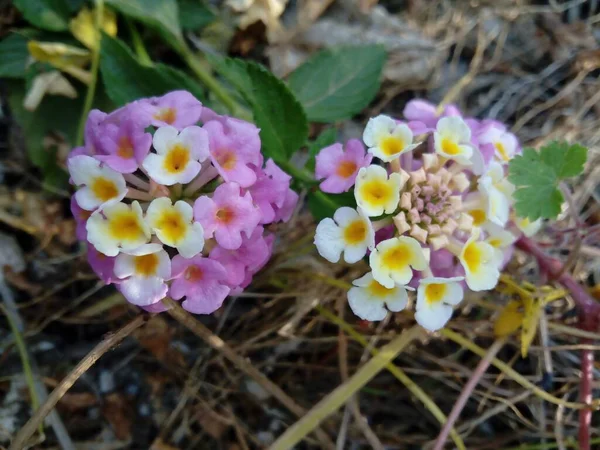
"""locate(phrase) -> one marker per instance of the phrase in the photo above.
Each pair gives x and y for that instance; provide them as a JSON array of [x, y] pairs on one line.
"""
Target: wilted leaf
[[125, 79], [509, 320], [118, 412], [266, 11], [65, 57], [531, 318], [83, 26], [338, 83], [52, 83]]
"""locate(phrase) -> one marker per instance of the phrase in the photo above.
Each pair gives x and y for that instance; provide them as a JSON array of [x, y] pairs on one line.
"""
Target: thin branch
[[585, 395], [187, 320], [466, 393], [107, 343]]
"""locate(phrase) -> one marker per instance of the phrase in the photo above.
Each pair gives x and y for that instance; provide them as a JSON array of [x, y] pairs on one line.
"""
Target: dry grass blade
[[343, 392], [20, 440], [183, 317]]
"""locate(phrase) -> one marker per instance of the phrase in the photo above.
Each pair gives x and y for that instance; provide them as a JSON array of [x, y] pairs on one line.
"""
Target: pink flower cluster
[[173, 199], [433, 209]]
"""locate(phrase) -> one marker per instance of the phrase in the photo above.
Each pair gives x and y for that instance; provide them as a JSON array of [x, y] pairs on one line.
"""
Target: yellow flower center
[[167, 115], [125, 226], [495, 242], [473, 257], [378, 290], [177, 159], [146, 265], [193, 274], [125, 149], [397, 257], [225, 215], [478, 216], [501, 150], [391, 145], [346, 169], [450, 147], [227, 160], [104, 189], [435, 292], [355, 233], [376, 192], [172, 226]]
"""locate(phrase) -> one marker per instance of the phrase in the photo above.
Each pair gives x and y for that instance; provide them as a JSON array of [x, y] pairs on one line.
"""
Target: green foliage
[[537, 175], [325, 139], [125, 79], [45, 120], [323, 205], [162, 15], [276, 111], [52, 15], [194, 14], [13, 56], [337, 84]]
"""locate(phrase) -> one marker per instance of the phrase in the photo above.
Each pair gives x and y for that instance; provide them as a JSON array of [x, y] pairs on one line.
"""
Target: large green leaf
[[125, 79], [195, 14], [160, 14], [13, 56], [323, 205], [278, 114], [337, 84], [52, 15]]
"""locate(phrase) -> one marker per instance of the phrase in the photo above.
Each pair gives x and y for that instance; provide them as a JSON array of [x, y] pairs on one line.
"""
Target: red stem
[[589, 319]]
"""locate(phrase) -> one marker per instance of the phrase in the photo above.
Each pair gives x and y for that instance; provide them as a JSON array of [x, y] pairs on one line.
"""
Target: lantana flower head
[[172, 205], [437, 199]]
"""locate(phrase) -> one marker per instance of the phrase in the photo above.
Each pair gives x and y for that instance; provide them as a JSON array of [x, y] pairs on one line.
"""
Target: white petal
[[164, 138], [365, 306], [196, 139], [364, 281], [163, 270], [86, 199], [483, 280], [143, 291], [328, 240], [185, 209], [377, 128], [144, 249], [156, 210], [433, 319], [193, 242], [124, 265], [97, 235], [345, 215], [398, 300], [83, 168], [354, 253]]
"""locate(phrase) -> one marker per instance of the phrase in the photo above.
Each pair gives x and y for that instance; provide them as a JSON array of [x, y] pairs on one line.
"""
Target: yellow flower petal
[[83, 27]]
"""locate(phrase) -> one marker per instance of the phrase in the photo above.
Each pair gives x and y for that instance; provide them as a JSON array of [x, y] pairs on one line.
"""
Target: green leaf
[[52, 15], [537, 175], [160, 14], [338, 83], [280, 117], [278, 114], [194, 14], [323, 205], [566, 160], [13, 56], [45, 120], [325, 139], [125, 79]]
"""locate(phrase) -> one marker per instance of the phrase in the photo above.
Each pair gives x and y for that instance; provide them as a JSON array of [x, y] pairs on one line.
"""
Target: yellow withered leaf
[[83, 26], [532, 309], [58, 54], [509, 320]]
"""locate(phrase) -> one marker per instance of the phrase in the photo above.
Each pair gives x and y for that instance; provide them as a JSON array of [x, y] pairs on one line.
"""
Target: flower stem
[[91, 91], [138, 44]]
